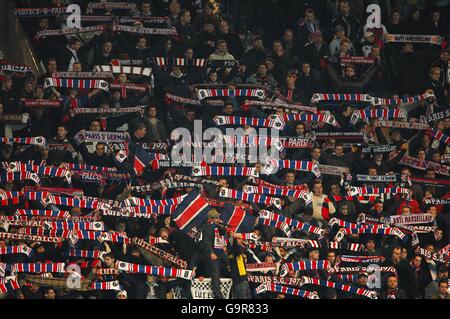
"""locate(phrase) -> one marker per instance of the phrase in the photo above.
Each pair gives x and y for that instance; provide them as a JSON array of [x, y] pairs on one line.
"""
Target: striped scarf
[[163, 61], [19, 176], [207, 93], [135, 70], [346, 277], [376, 190], [317, 97], [170, 98], [251, 121], [339, 286], [370, 229], [76, 83], [44, 213], [39, 140], [321, 118], [70, 225], [79, 253], [402, 124], [36, 267], [14, 236], [368, 269], [304, 265], [136, 201], [223, 171], [40, 170], [441, 137], [388, 114], [414, 38], [286, 290], [106, 285], [305, 166], [147, 211], [8, 286], [261, 182], [303, 194], [84, 75], [255, 198], [425, 165], [295, 224], [91, 168], [55, 190], [19, 249], [112, 110], [155, 270], [253, 140]]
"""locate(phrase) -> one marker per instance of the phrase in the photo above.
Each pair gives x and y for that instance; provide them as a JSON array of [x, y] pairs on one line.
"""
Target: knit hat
[[123, 293], [213, 213]]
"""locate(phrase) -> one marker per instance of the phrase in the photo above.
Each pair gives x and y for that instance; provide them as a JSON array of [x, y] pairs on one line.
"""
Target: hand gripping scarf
[[255, 198], [388, 114], [286, 290], [224, 171], [155, 270], [305, 166], [207, 93], [295, 224], [19, 249], [76, 83], [339, 286]]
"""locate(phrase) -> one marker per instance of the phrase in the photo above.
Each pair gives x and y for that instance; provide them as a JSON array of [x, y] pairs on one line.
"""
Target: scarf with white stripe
[[295, 224], [184, 100], [12, 67], [425, 165], [19, 176], [160, 253], [155, 270], [368, 269], [339, 286], [44, 213], [362, 259], [253, 140], [79, 253], [39, 12], [84, 75], [106, 285], [163, 61], [320, 118], [251, 121], [76, 83], [357, 59], [303, 194], [20, 249], [36, 267], [40, 170], [388, 114], [41, 102], [15, 236], [305, 166], [370, 229], [10, 285], [134, 70], [68, 31], [70, 225], [255, 198], [317, 97], [207, 93], [224, 171], [136, 201], [286, 290], [441, 137], [111, 110], [304, 265], [39, 140]]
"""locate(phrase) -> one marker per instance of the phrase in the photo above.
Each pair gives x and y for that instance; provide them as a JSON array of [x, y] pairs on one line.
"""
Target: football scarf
[[357, 59], [434, 117], [303, 194], [76, 83], [333, 170], [108, 5], [107, 137], [319, 118], [295, 224], [304, 265], [368, 269], [252, 140], [362, 259], [376, 178], [79, 253], [90, 168], [136, 201], [139, 30], [335, 245], [261, 182], [40, 170], [305, 166], [289, 108], [269, 287], [134, 70], [163, 61], [275, 123], [42, 103], [402, 125], [437, 201], [36, 267], [19, 176], [70, 225], [207, 93], [352, 191], [378, 148], [414, 38], [411, 219], [334, 97], [111, 110], [255, 198], [440, 258], [84, 75], [68, 31], [39, 140], [155, 270], [388, 114], [10, 118], [425, 165], [224, 171], [297, 142], [10, 285], [290, 281], [370, 229], [441, 137], [39, 12], [20, 249], [339, 286], [160, 253], [25, 237], [170, 98], [12, 67], [106, 285]]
